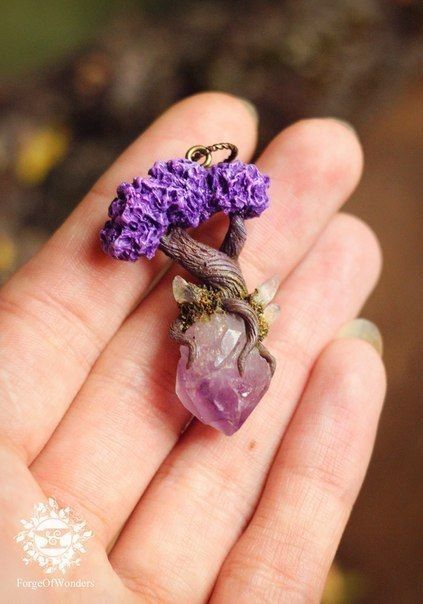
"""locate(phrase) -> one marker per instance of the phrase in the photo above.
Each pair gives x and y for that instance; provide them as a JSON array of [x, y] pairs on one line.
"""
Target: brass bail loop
[[197, 152], [200, 151]]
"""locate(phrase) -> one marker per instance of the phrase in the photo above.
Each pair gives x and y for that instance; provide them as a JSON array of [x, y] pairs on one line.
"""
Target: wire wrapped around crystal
[[154, 213]]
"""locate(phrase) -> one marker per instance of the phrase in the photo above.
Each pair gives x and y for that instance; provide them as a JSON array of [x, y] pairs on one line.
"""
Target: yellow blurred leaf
[[335, 589], [40, 152], [8, 253], [343, 587]]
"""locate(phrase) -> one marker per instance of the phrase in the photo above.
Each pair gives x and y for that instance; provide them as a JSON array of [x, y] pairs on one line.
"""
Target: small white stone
[[271, 313], [183, 292], [267, 290]]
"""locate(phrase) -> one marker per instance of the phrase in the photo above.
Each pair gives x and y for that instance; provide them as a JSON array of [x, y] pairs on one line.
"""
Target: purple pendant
[[224, 369], [212, 388]]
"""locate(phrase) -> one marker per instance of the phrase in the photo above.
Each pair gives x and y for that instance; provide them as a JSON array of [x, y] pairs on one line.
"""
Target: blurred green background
[[35, 33], [80, 79]]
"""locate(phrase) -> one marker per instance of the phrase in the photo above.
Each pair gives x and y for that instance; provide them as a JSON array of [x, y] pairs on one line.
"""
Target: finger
[[314, 166], [206, 490], [286, 551], [57, 313], [136, 418], [20, 495]]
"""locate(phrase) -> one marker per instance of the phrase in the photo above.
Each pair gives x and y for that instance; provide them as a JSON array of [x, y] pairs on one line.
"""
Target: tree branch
[[235, 237], [213, 267]]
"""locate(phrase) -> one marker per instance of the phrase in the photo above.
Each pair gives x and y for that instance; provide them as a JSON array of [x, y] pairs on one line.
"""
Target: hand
[[88, 410]]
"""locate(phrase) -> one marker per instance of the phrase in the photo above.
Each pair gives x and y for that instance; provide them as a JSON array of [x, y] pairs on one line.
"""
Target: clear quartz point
[[183, 292], [272, 312], [267, 290]]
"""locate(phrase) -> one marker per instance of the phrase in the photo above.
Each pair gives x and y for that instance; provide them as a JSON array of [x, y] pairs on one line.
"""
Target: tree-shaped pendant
[[224, 369]]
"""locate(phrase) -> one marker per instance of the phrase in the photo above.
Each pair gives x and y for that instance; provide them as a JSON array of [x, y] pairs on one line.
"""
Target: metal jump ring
[[198, 151]]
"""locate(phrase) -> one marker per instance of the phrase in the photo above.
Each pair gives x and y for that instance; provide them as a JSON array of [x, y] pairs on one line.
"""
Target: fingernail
[[250, 107], [364, 330], [343, 123]]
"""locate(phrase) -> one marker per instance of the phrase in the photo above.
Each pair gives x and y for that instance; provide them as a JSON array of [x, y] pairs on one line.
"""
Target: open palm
[[88, 413]]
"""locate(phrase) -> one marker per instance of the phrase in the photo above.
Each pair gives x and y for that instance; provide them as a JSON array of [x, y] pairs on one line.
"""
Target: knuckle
[[267, 581]]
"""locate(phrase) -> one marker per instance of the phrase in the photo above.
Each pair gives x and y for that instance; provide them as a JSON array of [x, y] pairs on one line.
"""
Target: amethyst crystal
[[179, 193], [212, 388]]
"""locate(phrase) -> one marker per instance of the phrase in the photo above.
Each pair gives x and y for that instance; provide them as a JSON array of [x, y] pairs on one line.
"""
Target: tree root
[[220, 272], [177, 333], [242, 309]]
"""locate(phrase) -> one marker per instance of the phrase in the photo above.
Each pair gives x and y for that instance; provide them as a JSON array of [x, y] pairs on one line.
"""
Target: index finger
[[56, 314]]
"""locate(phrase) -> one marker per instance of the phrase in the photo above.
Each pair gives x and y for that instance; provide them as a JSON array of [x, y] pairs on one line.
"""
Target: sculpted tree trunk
[[225, 288]]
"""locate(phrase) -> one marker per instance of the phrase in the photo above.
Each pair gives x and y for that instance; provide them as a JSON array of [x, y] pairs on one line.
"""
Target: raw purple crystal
[[212, 389]]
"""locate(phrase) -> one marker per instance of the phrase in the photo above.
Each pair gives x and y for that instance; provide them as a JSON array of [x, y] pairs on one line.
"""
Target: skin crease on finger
[[132, 423]]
